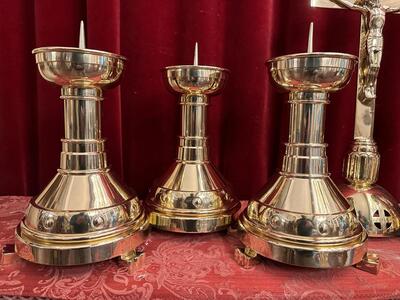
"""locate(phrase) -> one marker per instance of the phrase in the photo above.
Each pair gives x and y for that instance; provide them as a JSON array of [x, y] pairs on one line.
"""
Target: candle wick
[[82, 41], [310, 38], [196, 55]]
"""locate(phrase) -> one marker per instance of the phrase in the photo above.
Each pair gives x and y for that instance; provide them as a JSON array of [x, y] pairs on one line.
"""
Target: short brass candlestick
[[302, 219], [84, 215], [192, 197], [376, 208]]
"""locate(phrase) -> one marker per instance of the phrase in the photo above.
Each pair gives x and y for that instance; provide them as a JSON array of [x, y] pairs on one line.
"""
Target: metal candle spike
[[376, 208], [192, 197], [302, 219], [84, 215]]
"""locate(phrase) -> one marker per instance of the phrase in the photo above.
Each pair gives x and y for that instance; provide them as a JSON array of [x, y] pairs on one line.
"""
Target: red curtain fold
[[247, 123]]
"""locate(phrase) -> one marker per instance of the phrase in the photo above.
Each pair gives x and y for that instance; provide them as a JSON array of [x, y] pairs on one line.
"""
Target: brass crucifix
[[361, 167]]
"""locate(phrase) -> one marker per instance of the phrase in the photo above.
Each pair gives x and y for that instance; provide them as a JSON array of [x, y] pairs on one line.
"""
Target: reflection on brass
[[84, 215], [246, 257], [7, 254], [370, 263], [192, 196], [376, 208], [302, 219]]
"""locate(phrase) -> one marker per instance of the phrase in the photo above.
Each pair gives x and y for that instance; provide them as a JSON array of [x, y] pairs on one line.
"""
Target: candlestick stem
[[193, 140]]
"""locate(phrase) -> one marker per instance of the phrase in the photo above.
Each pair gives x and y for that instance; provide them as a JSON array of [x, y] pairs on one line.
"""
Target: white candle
[[196, 55], [310, 38], [82, 42]]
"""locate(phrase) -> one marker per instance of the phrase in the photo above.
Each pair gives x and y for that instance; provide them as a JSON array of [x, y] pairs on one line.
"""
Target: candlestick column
[[83, 147], [84, 215], [302, 219], [306, 151], [193, 140], [192, 196]]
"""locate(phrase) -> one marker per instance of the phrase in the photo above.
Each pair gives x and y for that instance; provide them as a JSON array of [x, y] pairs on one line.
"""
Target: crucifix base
[[376, 208]]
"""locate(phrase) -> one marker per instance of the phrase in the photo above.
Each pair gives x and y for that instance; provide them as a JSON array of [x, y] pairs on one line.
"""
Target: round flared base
[[305, 255], [33, 247]]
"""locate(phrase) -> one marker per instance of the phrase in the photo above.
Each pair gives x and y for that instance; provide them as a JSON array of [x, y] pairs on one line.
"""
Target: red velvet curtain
[[247, 122]]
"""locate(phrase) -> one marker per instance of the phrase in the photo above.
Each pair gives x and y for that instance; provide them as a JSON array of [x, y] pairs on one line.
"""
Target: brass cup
[[192, 197], [84, 215], [302, 219]]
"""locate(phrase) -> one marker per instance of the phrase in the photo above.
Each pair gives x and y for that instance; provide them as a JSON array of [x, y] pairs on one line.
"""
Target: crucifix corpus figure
[[373, 20]]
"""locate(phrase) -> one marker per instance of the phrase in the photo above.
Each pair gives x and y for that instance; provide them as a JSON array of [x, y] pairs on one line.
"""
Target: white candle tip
[[82, 41], [196, 55], [310, 38]]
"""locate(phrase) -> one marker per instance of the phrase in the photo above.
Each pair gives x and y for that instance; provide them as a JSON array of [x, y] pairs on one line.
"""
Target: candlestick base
[[192, 199], [81, 219], [307, 224]]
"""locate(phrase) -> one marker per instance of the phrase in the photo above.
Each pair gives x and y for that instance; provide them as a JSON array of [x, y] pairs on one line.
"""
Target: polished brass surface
[[370, 263], [84, 215], [302, 219], [192, 196], [377, 210]]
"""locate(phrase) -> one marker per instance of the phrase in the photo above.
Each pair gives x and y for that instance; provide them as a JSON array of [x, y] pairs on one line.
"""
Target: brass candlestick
[[376, 208], [192, 197], [302, 219], [84, 215]]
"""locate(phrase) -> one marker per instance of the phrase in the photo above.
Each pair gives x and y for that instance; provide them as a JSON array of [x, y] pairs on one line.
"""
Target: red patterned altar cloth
[[181, 266]]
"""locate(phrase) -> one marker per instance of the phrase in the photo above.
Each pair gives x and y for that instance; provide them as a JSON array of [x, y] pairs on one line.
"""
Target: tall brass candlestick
[[302, 219], [192, 196], [84, 215], [376, 208]]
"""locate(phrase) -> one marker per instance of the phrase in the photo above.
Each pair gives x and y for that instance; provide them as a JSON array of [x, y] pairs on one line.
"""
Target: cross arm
[[338, 4], [392, 9]]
